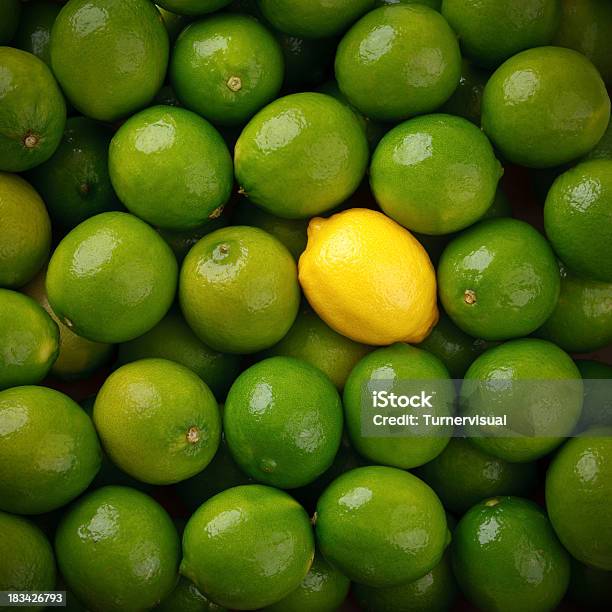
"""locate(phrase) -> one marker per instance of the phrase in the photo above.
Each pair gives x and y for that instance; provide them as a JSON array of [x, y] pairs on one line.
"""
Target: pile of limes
[[223, 222]]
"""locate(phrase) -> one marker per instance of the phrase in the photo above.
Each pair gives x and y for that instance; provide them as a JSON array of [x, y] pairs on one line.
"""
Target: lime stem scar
[[234, 83], [193, 435], [469, 297], [30, 141]]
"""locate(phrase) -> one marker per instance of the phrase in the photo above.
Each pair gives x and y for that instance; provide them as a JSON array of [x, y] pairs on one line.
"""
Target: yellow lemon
[[368, 278]]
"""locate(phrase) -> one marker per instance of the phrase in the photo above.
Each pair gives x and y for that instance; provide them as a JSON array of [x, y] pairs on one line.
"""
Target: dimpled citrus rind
[[240, 567], [545, 107], [435, 174], [112, 278], [301, 155], [398, 61], [368, 278]]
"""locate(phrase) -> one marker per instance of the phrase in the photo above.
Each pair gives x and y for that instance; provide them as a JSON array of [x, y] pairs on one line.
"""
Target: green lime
[[193, 7], [173, 339], [436, 591], [291, 232], [400, 369], [544, 107], [25, 235], [491, 31], [248, 547], [578, 490], [32, 111], [34, 31], [110, 56], [597, 402], [582, 320], [585, 27], [307, 62], [118, 550], [172, 405], [313, 341], [29, 339], [26, 557], [467, 100], [506, 557], [398, 61], [603, 149], [323, 589], [239, 290], [463, 475], [74, 182], [590, 587], [578, 219], [112, 278], [187, 598], [453, 347], [283, 422], [418, 165], [308, 145], [381, 526], [226, 68], [499, 279], [170, 167], [313, 18], [536, 386], [10, 12], [78, 357], [174, 23], [49, 451]]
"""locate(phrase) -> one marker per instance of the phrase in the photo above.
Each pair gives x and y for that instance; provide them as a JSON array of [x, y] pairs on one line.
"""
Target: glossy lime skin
[[239, 290], [590, 587], [187, 598], [323, 589], [49, 451], [118, 550], [453, 347], [74, 182], [10, 12], [313, 341], [398, 362], [29, 339], [291, 232], [193, 7], [603, 149], [491, 31], [32, 111], [582, 319], [545, 107], [418, 165], [283, 422], [597, 403], [463, 475], [301, 155], [398, 61], [436, 591], [585, 26], [381, 526], [25, 236], [112, 278], [313, 18], [498, 279], [248, 547], [226, 68], [578, 219], [534, 407], [170, 167], [110, 56], [176, 409], [506, 557], [578, 489], [173, 339], [466, 102], [26, 557], [34, 31]]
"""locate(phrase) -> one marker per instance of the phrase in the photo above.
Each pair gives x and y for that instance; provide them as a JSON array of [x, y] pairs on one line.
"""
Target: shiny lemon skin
[[301, 155], [545, 107], [112, 278], [398, 61], [368, 278]]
